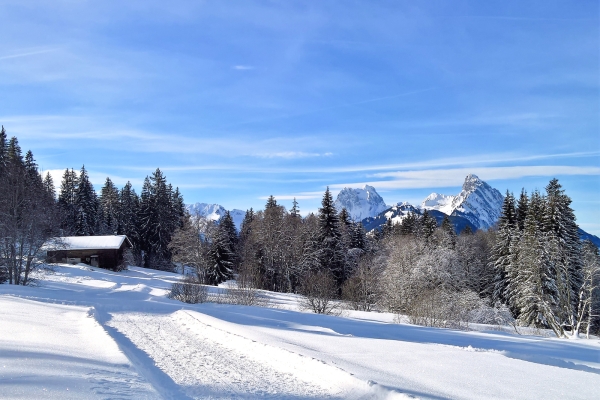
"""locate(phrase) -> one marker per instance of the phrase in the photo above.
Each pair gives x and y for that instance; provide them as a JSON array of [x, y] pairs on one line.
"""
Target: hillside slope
[[173, 350]]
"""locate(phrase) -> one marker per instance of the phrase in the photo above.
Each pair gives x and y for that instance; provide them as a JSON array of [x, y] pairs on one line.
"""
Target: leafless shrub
[[361, 291], [241, 292], [189, 290], [443, 309], [319, 291]]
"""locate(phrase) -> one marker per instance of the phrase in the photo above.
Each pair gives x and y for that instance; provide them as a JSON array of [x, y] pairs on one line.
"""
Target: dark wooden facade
[[112, 258]]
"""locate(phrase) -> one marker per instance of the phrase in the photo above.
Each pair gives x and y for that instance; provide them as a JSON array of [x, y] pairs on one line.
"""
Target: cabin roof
[[87, 242]]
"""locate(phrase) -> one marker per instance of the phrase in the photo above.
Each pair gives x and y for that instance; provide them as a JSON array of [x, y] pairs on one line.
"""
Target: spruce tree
[[448, 233], [564, 248], [295, 211], [109, 208], [228, 226], [501, 255], [49, 187], [3, 147], [521, 210], [221, 258], [129, 204], [271, 202], [535, 289], [410, 224], [145, 219], [427, 226], [67, 199], [86, 206], [331, 251]]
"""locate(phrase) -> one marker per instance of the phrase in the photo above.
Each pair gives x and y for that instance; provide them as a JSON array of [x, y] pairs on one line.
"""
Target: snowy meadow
[[85, 332]]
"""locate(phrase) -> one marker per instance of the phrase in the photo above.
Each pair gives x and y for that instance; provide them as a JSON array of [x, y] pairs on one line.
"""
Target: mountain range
[[478, 205]]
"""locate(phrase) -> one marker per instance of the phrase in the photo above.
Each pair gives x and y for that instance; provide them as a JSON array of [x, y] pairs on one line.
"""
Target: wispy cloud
[[435, 178], [28, 53], [297, 196], [242, 67], [293, 154]]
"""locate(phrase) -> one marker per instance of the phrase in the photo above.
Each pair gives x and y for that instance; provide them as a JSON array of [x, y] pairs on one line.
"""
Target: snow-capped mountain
[[215, 212], [360, 203], [398, 212], [478, 202], [440, 202]]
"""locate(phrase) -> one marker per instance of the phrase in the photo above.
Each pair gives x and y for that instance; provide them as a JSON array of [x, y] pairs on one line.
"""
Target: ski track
[[210, 363]]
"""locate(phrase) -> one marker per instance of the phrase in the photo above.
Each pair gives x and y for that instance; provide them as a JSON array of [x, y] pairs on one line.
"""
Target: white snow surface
[[214, 212], [84, 332], [87, 242], [440, 202], [360, 203]]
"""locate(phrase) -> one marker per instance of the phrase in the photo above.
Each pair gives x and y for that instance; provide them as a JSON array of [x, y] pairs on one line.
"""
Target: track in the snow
[[211, 363]]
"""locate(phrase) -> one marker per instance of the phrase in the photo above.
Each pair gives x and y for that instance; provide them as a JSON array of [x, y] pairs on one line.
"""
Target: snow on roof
[[89, 242]]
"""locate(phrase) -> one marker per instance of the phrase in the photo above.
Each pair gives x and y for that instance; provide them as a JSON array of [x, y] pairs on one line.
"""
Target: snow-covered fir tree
[[86, 206], [108, 210]]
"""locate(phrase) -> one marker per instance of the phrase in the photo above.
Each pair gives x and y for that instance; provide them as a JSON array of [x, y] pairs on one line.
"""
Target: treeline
[[31, 213], [531, 271], [148, 219], [28, 213], [544, 273]]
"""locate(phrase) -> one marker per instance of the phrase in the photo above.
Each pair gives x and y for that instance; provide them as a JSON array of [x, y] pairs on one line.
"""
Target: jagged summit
[[478, 202], [215, 212], [360, 203]]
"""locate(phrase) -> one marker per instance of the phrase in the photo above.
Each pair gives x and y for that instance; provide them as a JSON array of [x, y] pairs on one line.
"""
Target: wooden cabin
[[98, 251]]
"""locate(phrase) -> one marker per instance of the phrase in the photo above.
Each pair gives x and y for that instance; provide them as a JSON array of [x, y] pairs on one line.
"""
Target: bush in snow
[[189, 290], [319, 290], [242, 293]]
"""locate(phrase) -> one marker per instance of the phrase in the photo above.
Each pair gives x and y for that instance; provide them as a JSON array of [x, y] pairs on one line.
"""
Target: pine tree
[[564, 247], [448, 233], [179, 209], [49, 186], [109, 208], [410, 224], [271, 202], [158, 218], [221, 258], [246, 226], [129, 205], [145, 218], [535, 287], [227, 225], [331, 251], [86, 206], [3, 147], [501, 255], [427, 226], [67, 199], [295, 211], [521, 210]]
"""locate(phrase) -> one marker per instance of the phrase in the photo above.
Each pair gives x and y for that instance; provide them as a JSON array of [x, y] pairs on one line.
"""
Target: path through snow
[[211, 363]]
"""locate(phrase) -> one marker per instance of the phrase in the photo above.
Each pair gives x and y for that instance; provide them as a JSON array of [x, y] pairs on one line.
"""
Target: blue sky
[[237, 100]]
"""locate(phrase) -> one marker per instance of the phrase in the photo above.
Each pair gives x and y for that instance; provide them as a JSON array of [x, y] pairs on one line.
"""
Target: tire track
[[209, 363]]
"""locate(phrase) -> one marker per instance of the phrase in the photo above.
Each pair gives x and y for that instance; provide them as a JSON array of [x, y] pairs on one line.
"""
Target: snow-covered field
[[85, 332]]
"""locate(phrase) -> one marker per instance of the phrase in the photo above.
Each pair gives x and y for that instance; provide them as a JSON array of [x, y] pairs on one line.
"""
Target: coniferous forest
[[532, 269]]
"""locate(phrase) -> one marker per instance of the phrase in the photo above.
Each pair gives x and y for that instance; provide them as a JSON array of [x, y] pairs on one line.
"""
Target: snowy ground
[[85, 332]]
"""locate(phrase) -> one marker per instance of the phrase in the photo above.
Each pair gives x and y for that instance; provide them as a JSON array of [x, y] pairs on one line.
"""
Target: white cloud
[[243, 67], [436, 178], [28, 53], [292, 154], [298, 196]]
